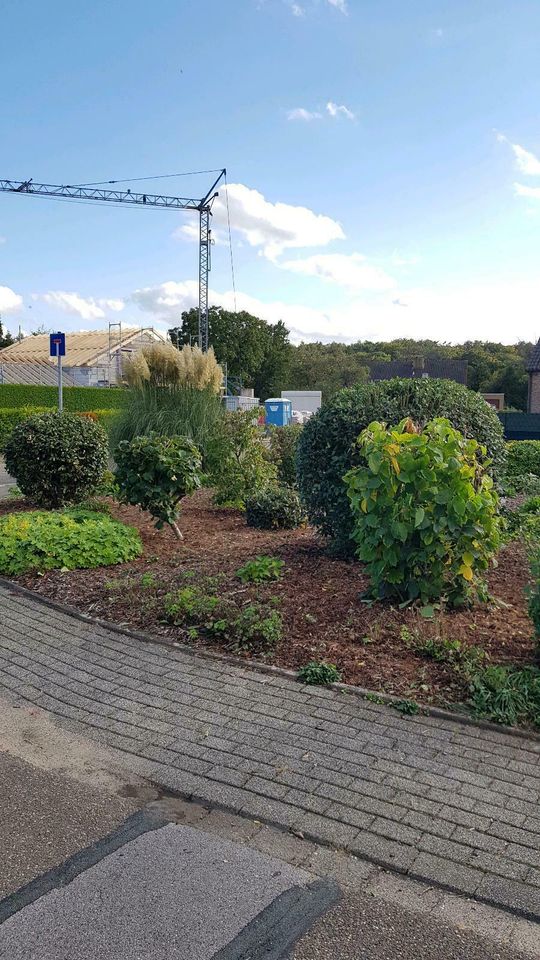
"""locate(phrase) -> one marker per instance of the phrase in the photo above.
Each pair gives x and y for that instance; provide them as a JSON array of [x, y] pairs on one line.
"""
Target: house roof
[[442, 369], [39, 372], [533, 363], [82, 349]]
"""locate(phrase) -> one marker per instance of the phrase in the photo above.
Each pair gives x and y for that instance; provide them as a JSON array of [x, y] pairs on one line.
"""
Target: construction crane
[[97, 193]]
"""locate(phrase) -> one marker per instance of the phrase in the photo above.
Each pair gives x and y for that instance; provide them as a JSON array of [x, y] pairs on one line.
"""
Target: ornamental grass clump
[[425, 512]]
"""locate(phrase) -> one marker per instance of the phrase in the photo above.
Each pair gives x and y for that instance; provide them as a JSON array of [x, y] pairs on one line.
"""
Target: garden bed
[[319, 600]]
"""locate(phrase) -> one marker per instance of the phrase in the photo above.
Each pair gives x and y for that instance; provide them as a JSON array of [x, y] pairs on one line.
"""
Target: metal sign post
[[57, 348]]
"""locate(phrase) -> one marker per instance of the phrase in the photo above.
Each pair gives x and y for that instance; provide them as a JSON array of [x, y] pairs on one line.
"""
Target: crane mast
[[97, 193]]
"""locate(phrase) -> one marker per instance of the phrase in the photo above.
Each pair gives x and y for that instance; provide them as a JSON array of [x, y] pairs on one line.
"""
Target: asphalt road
[[364, 928]]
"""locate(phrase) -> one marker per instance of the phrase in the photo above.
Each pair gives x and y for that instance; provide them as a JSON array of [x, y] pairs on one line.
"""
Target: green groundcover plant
[[69, 539], [425, 512]]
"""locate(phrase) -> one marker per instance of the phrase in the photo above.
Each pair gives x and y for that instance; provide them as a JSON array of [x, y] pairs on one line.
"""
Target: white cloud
[[521, 190], [446, 314], [274, 227], [337, 110], [351, 271], [340, 5], [527, 163], [297, 10], [300, 113], [3, 240], [167, 300], [9, 300], [87, 308]]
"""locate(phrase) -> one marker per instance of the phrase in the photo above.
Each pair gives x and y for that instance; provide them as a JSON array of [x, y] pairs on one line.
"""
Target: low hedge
[[11, 416], [522, 456], [75, 398]]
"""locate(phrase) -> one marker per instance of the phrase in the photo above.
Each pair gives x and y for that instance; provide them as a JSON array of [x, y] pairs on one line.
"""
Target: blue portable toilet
[[278, 412]]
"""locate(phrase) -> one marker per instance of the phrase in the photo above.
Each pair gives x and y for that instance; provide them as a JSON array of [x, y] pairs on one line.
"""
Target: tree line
[[259, 355]]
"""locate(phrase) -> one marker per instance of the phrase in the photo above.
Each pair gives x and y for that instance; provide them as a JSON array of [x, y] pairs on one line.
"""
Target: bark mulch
[[319, 600]]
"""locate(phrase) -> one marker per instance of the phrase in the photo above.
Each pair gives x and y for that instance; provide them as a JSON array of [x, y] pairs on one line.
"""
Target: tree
[[256, 353], [5, 337]]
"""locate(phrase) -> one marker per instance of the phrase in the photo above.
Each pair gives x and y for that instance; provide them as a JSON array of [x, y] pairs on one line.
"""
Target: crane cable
[[230, 242]]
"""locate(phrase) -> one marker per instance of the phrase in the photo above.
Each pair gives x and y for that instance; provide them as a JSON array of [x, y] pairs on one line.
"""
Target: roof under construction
[[82, 349]]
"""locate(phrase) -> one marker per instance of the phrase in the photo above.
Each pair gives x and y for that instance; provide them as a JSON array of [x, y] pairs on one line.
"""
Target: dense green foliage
[[75, 398], [425, 513], [283, 444], [534, 593], [319, 672], [275, 508], [171, 412], [203, 610], [522, 456], [256, 353], [156, 473], [506, 694], [524, 520], [70, 539], [326, 448], [57, 458], [11, 416], [5, 337], [260, 570], [240, 465]]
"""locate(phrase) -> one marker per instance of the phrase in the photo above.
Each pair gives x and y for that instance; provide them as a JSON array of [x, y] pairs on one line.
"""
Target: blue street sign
[[57, 344]]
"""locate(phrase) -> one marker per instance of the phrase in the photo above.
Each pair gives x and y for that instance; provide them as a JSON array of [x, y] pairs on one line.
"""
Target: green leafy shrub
[[70, 539], [260, 570], [241, 467], [256, 630], [57, 458], [75, 398], [283, 445], [522, 521], [459, 655], [276, 508], [506, 694], [156, 473], [522, 456], [170, 411], [425, 512], [11, 416], [191, 605], [523, 483], [319, 672], [326, 447]]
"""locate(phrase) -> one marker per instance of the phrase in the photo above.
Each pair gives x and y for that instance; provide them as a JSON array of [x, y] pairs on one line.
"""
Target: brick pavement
[[451, 804]]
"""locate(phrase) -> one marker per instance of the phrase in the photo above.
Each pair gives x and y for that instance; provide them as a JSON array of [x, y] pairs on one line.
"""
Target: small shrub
[[518, 521], [458, 655], [425, 515], [534, 596], [276, 508], [256, 629], [190, 605], [506, 694], [156, 473], [326, 447], [241, 467], [408, 708], [57, 458], [261, 569], [319, 672], [70, 539], [283, 444], [523, 483]]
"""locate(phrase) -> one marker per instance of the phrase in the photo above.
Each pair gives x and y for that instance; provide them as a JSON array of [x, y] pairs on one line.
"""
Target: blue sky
[[383, 163]]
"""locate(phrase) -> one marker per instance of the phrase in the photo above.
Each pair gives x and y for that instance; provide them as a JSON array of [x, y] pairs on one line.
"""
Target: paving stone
[[454, 805]]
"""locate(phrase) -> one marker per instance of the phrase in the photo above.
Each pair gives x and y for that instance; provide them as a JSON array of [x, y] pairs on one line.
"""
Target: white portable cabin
[[305, 400]]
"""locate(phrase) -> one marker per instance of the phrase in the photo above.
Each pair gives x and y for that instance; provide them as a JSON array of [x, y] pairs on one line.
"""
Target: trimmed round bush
[[275, 508], [71, 539], [57, 458], [326, 448]]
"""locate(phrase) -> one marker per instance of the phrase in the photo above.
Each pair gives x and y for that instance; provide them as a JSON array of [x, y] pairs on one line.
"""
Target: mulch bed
[[319, 600]]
